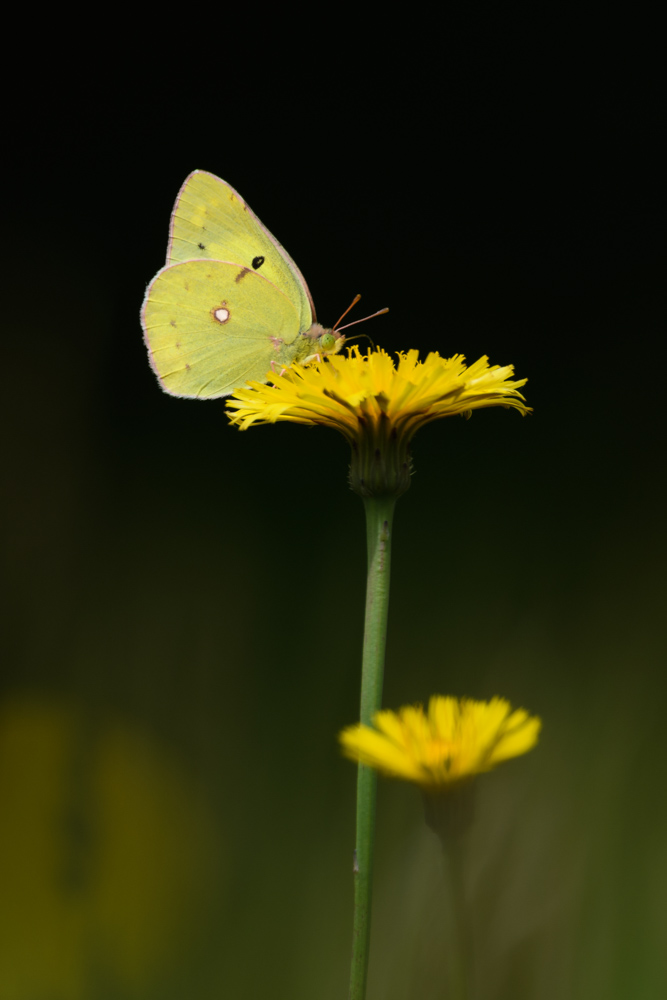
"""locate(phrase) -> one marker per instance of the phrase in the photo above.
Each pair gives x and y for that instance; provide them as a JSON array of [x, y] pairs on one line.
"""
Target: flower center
[[439, 753]]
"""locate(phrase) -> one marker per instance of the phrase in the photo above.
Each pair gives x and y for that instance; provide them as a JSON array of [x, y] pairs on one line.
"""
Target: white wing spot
[[221, 314]]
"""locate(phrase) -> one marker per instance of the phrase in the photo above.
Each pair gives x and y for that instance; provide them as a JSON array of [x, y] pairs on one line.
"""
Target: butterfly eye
[[328, 341], [257, 262]]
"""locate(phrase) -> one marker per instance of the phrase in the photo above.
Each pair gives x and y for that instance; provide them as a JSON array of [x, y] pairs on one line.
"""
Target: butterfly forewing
[[211, 220]]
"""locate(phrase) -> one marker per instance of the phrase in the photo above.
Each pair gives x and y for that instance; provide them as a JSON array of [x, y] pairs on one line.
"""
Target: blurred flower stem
[[449, 814], [379, 517], [458, 958]]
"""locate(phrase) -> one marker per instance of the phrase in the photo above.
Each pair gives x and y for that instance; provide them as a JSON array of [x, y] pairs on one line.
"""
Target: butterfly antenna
[[380, 312], [352, 303]]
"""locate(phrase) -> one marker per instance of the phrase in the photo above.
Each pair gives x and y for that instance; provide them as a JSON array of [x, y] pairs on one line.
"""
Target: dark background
[[183, 602]]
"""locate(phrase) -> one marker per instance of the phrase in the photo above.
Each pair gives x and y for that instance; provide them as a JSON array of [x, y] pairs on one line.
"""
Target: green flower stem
[[379, 515]]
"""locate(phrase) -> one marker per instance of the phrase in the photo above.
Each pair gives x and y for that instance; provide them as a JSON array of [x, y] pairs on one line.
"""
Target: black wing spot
[[201, 246], [257, 263]]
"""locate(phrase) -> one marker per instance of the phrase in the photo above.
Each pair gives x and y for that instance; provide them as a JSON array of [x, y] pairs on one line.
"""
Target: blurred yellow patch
[[105, 855]]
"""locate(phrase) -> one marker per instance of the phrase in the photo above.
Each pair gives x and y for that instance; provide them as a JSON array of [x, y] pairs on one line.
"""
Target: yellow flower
[[377, 405], [454, 740]]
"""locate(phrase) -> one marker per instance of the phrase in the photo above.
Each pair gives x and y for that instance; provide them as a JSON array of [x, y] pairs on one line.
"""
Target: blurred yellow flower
[[454, 740], [377, 405]]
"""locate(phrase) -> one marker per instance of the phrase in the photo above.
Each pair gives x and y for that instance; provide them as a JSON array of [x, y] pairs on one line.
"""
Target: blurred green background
[[183, 603]]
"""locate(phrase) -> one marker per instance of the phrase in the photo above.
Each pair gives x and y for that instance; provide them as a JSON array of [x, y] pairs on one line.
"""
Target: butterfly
[[230, 305]]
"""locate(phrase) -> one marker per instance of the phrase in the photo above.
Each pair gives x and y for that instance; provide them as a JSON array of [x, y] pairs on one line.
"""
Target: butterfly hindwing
[[211, 325]]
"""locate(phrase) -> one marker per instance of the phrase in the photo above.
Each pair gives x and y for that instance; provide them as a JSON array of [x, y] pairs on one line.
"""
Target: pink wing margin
[[279, 247]]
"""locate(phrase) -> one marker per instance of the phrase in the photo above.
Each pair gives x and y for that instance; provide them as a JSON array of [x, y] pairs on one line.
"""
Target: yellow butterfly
[[230, 304]]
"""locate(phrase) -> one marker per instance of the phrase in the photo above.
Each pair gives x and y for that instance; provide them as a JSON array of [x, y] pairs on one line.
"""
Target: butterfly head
[[323, 342], [331, 341]]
